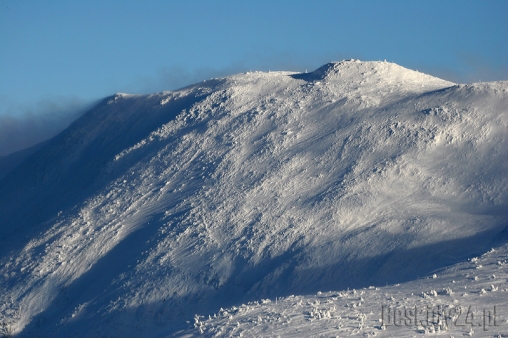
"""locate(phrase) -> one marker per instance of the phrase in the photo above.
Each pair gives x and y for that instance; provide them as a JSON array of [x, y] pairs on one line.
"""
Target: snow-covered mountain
[[150, 209]]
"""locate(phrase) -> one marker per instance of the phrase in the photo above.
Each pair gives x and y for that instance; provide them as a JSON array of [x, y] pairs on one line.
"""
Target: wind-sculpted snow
[[151, 209], [463, 300]]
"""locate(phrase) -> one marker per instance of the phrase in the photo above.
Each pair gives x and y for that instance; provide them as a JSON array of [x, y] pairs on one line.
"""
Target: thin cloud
[[481, 69], [23, 126], [469, 68], [175, 77]]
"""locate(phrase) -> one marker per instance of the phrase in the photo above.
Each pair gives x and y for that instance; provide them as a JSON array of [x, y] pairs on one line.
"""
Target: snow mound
[[372, 73], [150, 209]]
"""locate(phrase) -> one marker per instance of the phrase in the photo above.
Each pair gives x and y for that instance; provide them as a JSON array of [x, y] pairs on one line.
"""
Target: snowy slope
[[11, 161], [151, 209], [465, 299]]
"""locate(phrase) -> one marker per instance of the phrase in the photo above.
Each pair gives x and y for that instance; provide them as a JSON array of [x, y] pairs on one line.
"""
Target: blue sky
[[56, 57]]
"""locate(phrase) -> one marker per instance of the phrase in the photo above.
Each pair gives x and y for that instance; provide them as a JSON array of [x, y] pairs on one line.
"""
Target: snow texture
[[466, 299], [152, 209]]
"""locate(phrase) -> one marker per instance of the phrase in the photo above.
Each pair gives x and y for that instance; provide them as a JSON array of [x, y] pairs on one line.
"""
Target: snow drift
[[152, 208]]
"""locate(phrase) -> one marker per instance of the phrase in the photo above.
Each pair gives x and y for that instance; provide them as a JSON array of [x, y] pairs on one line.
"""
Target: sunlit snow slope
[[151, 209]]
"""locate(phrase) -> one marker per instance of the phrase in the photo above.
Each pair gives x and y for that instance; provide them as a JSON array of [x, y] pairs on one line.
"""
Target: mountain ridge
[[152, 208]]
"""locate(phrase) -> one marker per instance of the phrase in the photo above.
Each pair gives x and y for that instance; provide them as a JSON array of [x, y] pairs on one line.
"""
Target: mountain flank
[[150, 209]]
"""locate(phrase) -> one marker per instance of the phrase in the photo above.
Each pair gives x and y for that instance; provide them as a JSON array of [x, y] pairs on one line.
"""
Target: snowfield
[[254, 192], [466, 299]]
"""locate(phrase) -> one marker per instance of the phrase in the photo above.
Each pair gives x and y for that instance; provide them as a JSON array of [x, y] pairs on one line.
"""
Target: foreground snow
[[466, 299], [151, 209]]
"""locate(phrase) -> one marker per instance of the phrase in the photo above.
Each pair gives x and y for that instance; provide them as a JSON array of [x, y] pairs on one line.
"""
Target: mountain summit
[[150, 209], [372, 73]]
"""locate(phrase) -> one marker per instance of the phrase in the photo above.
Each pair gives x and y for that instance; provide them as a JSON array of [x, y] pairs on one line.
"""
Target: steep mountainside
[[11, 161], [150, 209]]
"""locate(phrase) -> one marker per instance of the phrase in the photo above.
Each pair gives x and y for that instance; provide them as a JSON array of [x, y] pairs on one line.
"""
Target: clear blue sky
[[61, 52]]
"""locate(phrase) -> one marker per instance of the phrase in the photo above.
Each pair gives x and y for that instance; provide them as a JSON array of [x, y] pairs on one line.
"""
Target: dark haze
[[22, 127]]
